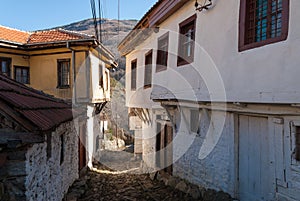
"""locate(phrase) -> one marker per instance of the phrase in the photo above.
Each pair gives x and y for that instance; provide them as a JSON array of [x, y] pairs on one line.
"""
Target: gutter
[[73, 68]]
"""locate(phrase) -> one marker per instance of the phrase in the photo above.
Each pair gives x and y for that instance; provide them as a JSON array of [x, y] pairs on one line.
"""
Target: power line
[[118, 21], [100, 20], [93, 8]]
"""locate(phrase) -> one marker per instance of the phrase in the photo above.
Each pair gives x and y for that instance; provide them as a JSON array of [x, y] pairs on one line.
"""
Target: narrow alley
[[118, 176]]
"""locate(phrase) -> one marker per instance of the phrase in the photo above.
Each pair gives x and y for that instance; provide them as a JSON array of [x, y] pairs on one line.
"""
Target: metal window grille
[[63, 73], [264, 20]]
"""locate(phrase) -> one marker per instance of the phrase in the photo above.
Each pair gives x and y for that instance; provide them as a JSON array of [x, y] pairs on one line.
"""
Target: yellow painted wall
[[17, 60], [43, 73]]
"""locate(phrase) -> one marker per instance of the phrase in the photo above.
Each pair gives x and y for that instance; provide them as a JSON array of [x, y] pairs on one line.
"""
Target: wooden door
[[164, 148], [255, 166], [81, 146]]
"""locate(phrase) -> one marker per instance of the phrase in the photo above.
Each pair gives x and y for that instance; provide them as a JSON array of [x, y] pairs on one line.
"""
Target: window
[[133, 74], [106, 87], [101, 76], [5, 66], [194, 121], [162, 53], [262, 22], [148, 70], [62, 148], [63, 73], [186, 44], [22, 74]]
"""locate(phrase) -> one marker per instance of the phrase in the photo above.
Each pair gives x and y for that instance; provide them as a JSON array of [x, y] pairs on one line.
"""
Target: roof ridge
[[76, 33], [14, 29]]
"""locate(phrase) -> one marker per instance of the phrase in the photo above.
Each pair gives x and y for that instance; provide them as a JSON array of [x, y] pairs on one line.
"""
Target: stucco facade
[[243, 104]]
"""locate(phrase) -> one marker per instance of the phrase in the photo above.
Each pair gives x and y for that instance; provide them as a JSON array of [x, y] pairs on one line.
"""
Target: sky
[[32, 15]]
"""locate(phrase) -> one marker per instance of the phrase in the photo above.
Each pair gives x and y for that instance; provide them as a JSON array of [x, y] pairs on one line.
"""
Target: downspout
[[74, 72]]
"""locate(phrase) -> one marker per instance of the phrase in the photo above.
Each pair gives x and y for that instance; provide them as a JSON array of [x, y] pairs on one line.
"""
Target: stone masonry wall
[[217, 170], [47, 178]]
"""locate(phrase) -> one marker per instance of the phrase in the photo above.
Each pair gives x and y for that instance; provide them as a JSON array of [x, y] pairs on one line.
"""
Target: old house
[[66, 64], [39, 142], [212, 90]]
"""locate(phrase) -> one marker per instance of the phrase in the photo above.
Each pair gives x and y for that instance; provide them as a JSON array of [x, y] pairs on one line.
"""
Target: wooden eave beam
[[160, 13], [165, 10], [23, 138]]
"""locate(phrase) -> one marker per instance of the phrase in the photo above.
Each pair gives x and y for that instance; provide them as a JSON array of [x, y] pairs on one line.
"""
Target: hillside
[[110, 35]]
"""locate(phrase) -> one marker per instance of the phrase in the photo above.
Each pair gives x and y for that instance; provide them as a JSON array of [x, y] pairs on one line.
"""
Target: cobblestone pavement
[[108, 186], [120, 179]]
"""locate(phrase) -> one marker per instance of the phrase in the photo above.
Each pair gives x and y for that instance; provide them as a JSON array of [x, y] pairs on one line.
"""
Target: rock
[[153, 175], [223, 196], [182, 186], [172, 181], [210, 195], [71, 197], [158, 176], [195, 192], [121, 143], [79, 183]]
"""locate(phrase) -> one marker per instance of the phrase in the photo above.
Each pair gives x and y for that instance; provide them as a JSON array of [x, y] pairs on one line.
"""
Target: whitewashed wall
[[272, 69], [98, 93], [216, 171], [47, 179]]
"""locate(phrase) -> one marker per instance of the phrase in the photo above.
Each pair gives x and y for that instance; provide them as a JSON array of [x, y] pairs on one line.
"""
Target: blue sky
[[31, 15]]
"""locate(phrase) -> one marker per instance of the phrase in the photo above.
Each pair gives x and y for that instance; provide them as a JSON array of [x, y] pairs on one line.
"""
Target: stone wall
[[13, 174], [34, 172], [49, 177], [216, 171]]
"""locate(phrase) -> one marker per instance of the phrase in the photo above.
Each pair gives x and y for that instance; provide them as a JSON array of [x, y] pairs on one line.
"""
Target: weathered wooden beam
[[14, 139]]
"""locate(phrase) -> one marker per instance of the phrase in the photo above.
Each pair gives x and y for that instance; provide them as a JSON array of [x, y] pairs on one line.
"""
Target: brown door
[[164, 148], [82, 144]]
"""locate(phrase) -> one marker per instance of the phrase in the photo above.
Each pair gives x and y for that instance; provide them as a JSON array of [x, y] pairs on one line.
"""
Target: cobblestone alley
[[118, 176]]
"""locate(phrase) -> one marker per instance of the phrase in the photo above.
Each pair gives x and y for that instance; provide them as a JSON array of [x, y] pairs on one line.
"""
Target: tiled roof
[[13, 35], [43, 112], [55, 35]]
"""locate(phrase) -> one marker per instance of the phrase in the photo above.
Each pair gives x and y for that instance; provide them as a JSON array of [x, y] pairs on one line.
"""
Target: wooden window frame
[[148, 70], [59, 84], [163, 41], [22, 68], [133, 74], [106, 87], [243, 25], [9, 60], [297, 144], [101, 74], [184, 27]]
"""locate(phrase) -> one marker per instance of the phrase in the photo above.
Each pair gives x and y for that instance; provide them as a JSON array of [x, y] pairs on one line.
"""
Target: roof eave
[[155, 16]]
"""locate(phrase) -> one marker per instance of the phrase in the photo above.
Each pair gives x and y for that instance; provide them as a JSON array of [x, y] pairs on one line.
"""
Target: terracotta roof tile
[[55, 35], [13, 35]]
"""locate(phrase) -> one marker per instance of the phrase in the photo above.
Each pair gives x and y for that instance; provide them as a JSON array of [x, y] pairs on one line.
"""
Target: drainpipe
[[74, 72]]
